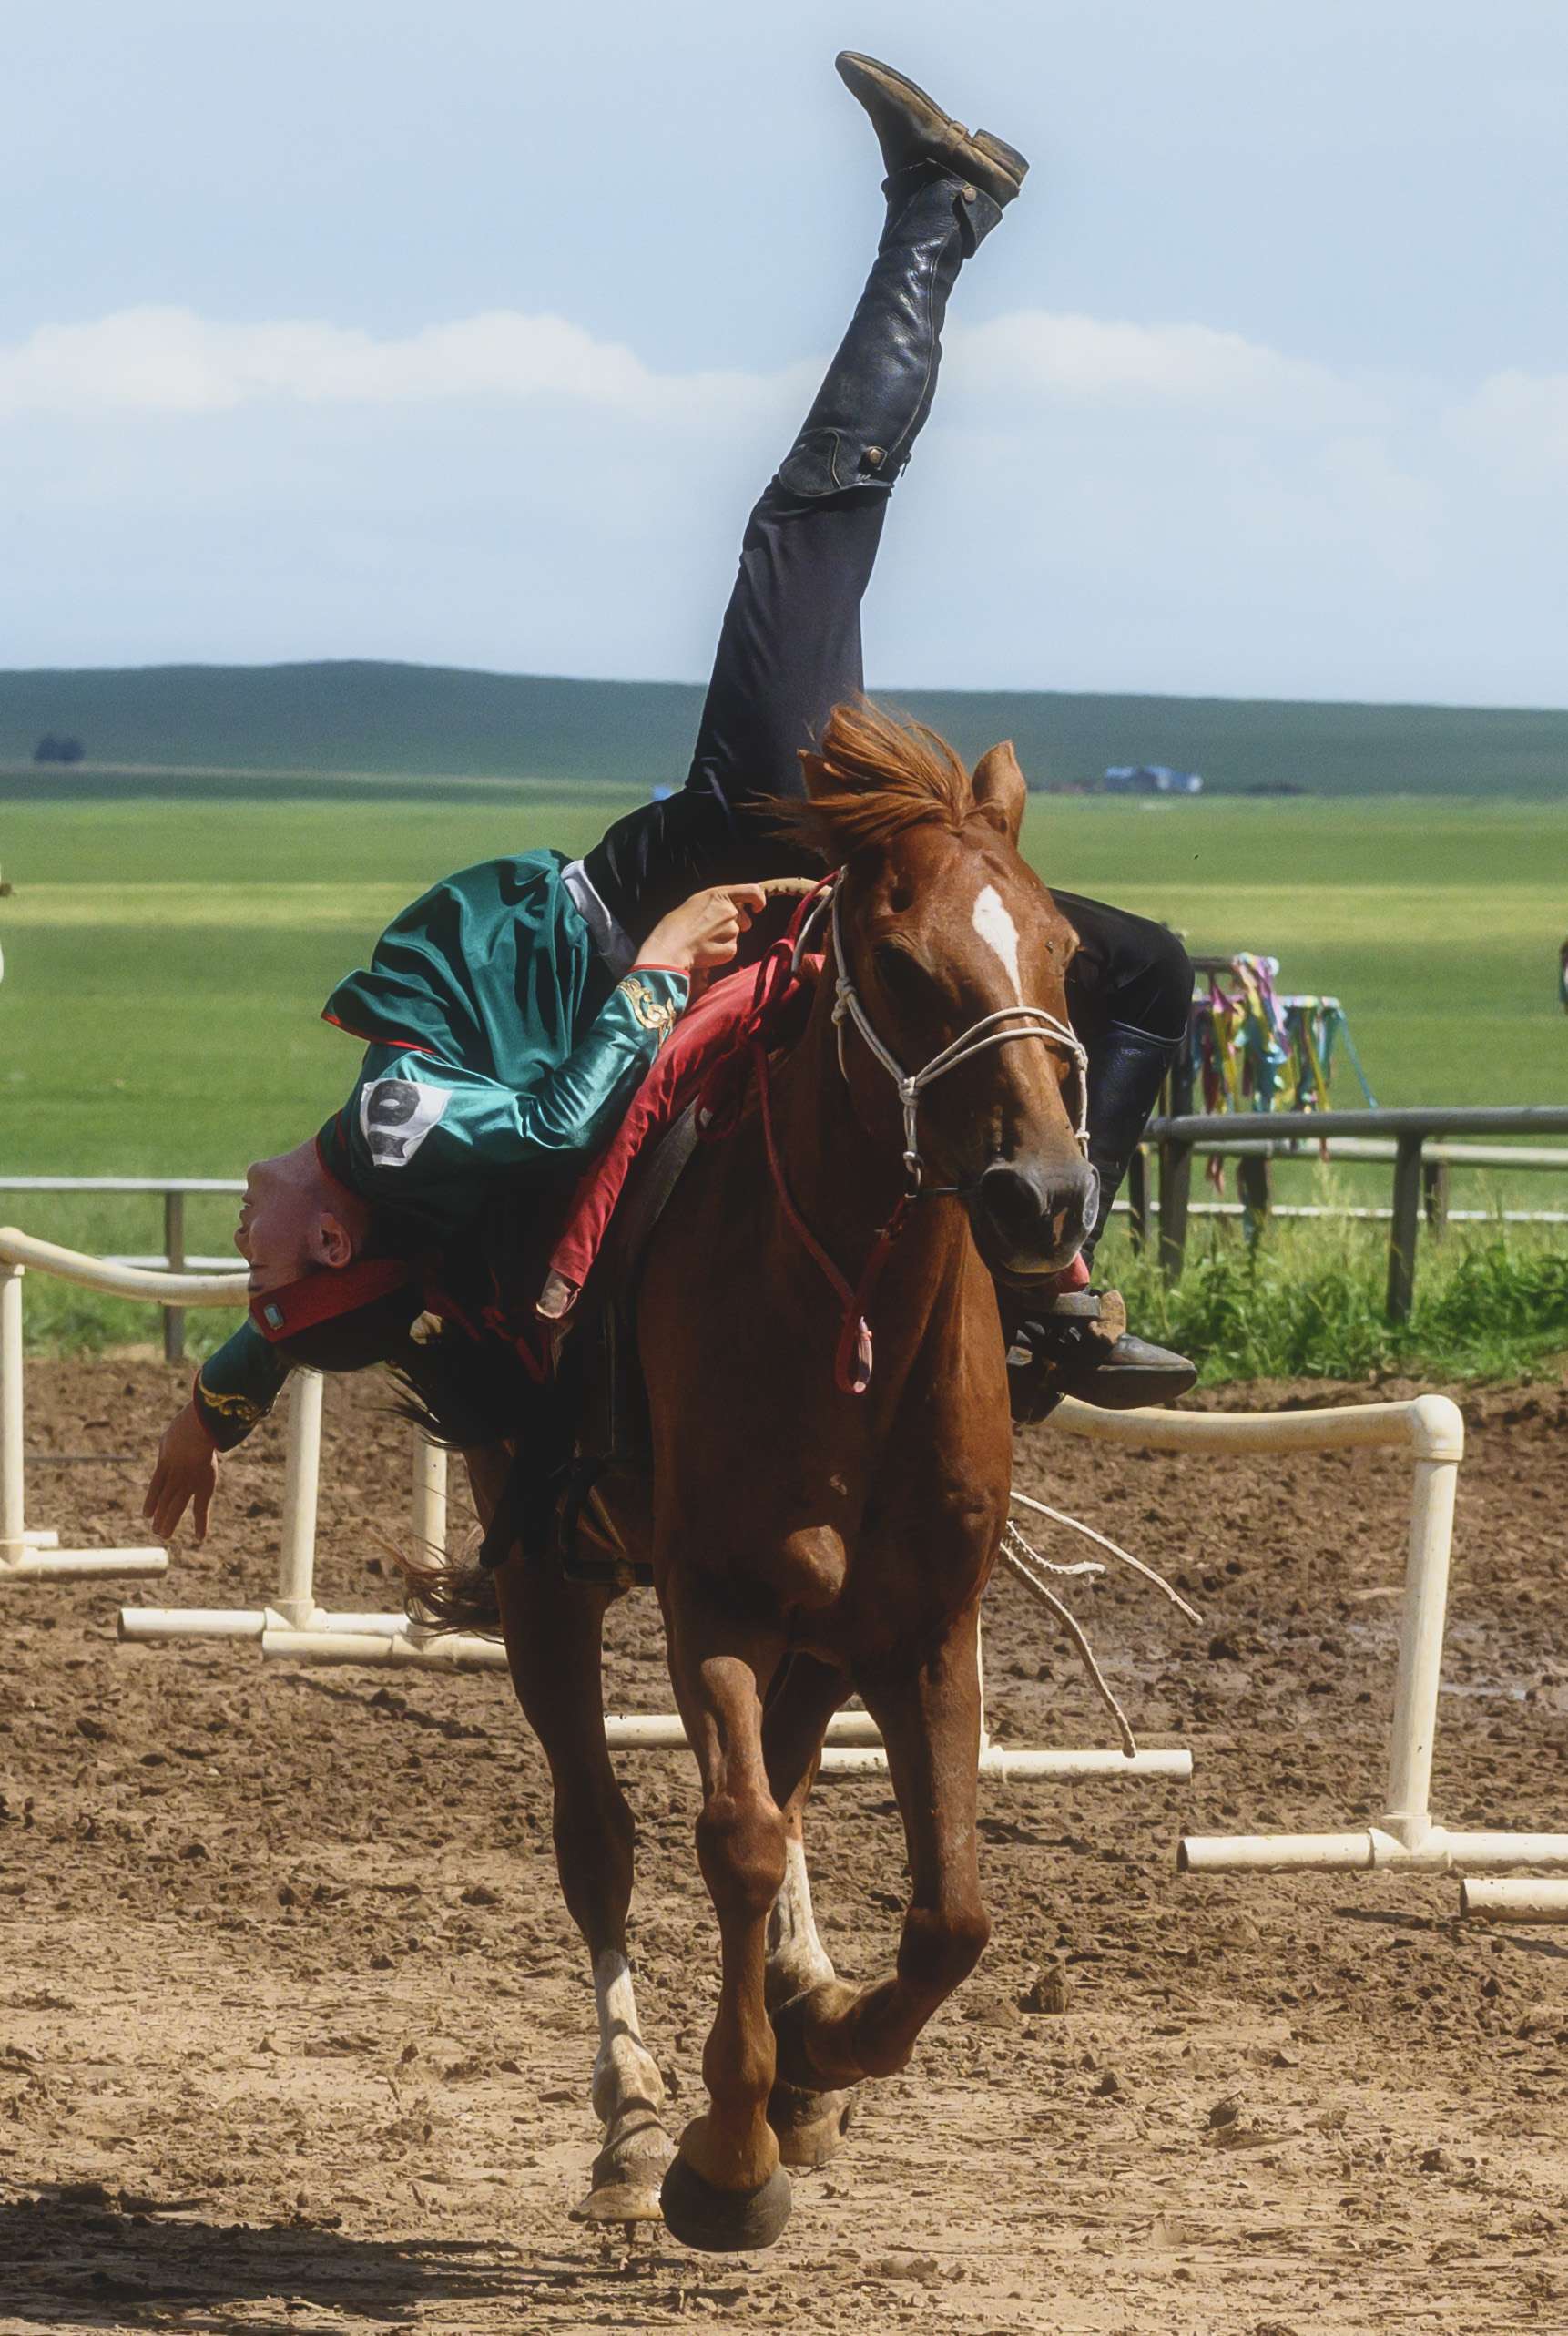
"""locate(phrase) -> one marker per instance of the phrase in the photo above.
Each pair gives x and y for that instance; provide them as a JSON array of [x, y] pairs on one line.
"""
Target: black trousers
[[789, 652]]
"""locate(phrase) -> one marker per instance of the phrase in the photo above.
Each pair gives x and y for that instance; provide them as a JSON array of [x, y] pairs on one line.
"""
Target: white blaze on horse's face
[[995, 927]]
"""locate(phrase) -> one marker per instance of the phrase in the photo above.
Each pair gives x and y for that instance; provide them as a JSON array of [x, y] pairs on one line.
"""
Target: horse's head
[[950, 941]]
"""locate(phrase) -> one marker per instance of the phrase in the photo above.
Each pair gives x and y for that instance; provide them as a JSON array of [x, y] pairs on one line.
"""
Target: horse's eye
[[905, 978]]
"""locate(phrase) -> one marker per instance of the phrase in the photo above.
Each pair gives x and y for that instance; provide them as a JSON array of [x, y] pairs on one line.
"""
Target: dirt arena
[[296, 2035]]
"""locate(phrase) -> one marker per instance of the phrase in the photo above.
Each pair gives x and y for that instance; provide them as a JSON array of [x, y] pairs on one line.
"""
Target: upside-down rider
[[510, 1012]]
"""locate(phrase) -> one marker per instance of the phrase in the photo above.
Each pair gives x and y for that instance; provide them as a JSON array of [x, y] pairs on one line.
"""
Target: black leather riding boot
[[789, 650], [1076, 1344], [945, 189], [879, 388], [1127, 1069]]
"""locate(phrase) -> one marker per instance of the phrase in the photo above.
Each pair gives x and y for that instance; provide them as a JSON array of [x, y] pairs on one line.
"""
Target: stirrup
[[1079, 1345]]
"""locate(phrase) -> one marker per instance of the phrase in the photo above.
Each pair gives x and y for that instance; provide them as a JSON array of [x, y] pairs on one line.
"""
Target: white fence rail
[[172, 1190], [1404, 1836], [293, 1625], [1254, 1139]]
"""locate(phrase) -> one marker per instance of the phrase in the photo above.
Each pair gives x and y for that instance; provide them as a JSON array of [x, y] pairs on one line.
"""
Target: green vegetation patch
[[167, 959], [1306, 1301]]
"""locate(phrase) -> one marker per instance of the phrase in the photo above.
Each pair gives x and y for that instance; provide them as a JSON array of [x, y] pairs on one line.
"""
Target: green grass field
[[166, 956]]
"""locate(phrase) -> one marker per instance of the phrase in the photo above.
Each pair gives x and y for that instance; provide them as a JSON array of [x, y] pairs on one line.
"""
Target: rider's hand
[[186, 1476], [705, 930]]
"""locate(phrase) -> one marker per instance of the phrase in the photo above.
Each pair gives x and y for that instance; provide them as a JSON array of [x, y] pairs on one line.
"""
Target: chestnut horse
[[808, 1542]]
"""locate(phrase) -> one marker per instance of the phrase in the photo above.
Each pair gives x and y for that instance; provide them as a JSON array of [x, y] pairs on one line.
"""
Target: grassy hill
[[299, 723]]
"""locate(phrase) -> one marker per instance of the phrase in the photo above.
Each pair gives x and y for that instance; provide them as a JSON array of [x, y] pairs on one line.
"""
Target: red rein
[[853, 1355], [778, 983]]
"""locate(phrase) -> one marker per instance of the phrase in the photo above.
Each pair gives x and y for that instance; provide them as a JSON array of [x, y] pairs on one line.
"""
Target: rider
[[510, 1010]]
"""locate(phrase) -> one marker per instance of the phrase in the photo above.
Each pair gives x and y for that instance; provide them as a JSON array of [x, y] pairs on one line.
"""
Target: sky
[[468, 332]]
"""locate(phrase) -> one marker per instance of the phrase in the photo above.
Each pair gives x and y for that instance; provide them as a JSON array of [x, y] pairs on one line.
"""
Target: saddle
[[613, 1448]]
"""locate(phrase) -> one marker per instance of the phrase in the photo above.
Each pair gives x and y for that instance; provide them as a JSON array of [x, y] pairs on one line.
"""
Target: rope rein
[[1023, 1022]]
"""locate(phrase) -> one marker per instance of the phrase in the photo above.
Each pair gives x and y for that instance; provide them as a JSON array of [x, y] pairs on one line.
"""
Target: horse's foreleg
[[805, 1697], [797, 1959], [834, 2035], [726, 2190], [809, 2124], [553, 1630]]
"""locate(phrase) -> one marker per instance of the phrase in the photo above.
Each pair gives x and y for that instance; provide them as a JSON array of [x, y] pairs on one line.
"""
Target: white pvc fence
[[294, 1625], [1404, 1836], [30, 1553]]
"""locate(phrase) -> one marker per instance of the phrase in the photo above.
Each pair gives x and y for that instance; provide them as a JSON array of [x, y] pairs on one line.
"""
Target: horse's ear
[[816, 774], [1001, 790]]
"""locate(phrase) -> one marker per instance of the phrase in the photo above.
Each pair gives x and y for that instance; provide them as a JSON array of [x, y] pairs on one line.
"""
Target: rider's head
[[295, 1219], [315, 1295]]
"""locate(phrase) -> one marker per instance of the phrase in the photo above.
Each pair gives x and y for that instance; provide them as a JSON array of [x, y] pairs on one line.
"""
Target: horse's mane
[[875, 776]]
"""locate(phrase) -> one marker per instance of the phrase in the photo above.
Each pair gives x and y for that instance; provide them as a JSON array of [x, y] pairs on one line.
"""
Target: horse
[[823, 1514]]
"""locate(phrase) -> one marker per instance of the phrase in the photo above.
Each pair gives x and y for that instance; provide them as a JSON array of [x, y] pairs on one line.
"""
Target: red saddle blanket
[[706, 1034]]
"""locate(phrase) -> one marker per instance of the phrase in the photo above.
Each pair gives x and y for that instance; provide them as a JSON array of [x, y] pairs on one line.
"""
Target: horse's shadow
[[70, 2259]]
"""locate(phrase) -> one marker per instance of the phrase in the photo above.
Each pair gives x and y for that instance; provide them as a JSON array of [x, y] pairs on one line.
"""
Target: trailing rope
[[1075, 1525], [1032, 1570]]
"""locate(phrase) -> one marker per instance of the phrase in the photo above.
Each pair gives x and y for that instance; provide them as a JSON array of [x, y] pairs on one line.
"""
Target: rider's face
[[280, 1233]]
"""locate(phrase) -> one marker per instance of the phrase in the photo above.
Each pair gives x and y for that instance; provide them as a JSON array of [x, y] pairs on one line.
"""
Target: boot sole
[[997, 167], [1110, 1389]]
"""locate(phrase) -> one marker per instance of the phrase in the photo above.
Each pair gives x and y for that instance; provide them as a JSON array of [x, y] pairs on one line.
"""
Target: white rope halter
[[1022, 1021]]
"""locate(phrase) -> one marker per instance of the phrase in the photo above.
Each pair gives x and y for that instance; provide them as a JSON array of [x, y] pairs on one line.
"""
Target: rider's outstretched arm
[[233, 1390]]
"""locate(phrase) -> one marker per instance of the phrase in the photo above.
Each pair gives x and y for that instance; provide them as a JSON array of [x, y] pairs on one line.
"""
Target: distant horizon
[[886, 689], [317, 717]]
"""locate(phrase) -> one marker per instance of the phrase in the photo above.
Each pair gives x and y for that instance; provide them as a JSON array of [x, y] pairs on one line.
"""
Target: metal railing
[[173, 1257], [1420, 1179]]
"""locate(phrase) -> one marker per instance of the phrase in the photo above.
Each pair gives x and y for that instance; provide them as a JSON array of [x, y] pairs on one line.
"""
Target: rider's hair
[[461, 1392]]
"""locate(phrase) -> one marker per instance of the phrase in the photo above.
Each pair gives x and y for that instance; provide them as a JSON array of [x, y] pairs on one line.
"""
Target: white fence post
[[1404, 1838], [27, 1557], [430, 1464], [13, 1547], [295, 1598], [1414, 1731]]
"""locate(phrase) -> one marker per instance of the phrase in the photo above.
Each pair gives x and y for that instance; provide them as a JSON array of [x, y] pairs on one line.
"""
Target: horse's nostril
[[1034, 1208], [1015, 1199]]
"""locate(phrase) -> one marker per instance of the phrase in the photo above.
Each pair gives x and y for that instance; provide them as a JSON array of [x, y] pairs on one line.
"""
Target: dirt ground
[[296, 2035]]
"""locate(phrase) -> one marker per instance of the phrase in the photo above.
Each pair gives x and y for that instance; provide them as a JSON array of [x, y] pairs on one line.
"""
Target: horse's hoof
[[799, 2028], [621, 2201], [625, 2183], [724, 2222], [809, 2126]]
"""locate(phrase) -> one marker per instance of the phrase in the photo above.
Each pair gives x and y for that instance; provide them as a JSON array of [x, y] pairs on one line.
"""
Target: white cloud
[[1092, 360], [1115, 505], [167, 360], [1518, 424]]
